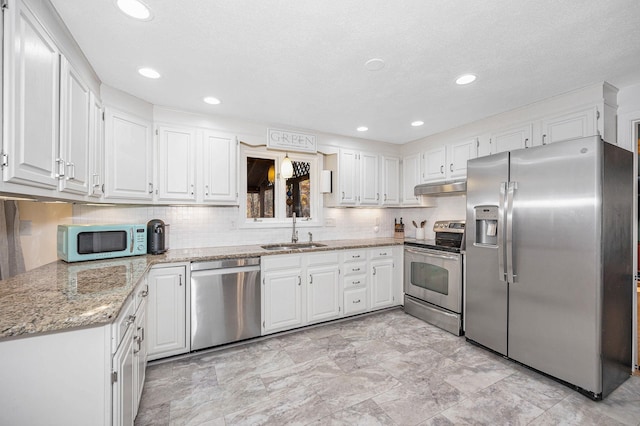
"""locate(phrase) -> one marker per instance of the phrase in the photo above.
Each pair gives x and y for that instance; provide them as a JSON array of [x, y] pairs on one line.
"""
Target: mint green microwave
[[92, 242]]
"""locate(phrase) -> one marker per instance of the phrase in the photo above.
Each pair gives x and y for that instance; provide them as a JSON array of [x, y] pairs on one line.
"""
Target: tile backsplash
[[200, 226]]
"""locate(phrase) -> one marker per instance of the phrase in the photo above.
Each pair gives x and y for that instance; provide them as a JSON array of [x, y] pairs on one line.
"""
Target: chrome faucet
[[294, 233]]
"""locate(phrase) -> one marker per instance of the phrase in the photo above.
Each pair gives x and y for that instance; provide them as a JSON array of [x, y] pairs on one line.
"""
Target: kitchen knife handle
[[502, 272]]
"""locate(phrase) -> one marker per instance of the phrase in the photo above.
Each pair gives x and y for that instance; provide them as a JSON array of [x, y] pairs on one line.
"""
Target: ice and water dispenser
[[486, 225]]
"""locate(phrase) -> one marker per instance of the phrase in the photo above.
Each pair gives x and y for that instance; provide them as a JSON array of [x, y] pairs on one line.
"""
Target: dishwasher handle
[[225, 263], [224, 271]]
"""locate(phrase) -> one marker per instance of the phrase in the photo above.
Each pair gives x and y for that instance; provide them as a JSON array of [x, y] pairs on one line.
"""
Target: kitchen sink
[[292, 246]]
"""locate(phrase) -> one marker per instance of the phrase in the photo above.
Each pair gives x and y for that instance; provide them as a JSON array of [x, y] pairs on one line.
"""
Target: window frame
[[280, 220]]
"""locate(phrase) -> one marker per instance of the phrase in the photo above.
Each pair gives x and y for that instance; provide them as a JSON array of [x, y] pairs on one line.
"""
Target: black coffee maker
[[156, 237]]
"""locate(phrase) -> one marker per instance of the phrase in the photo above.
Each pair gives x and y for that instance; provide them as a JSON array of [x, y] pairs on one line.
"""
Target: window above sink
[[267, 200]]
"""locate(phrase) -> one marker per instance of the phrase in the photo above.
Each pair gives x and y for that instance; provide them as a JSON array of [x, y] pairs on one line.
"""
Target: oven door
[[434, 276]]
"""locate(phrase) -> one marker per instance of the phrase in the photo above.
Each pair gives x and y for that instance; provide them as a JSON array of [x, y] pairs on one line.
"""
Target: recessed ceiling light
[[374, 64], [466, 79], [211, 100], [149, 72], [135, 9], [362, 129], [417, 123]]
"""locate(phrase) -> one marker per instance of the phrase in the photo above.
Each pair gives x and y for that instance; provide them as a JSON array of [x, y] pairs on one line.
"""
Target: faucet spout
[[294, 233]]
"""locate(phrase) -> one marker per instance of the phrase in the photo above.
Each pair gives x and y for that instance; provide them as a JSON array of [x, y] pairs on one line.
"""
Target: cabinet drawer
[[273, 263], [355, 255], [355, 268], [355, 281], [122, 323], [355, 301], [329, 258], [381, 252]]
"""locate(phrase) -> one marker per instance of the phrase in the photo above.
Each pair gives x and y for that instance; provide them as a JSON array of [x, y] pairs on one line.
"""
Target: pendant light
[[286, 168]]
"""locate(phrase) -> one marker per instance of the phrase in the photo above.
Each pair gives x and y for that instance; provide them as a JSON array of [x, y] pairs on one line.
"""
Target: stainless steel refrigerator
[[549, 260]]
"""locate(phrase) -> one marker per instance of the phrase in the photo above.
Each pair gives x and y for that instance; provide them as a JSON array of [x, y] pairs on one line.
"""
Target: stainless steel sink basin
[[292, 246]]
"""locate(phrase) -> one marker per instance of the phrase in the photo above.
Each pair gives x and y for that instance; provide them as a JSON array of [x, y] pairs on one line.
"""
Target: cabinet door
[[369, 180], [282, 298], [31, 99], [457, 156], [433, 165], [75, 106], [348, 177], [390, 181], [510, 139], [140, 353], [122, 387], [569, 126], [176, 164], [220, 168], [410, 178], [96, 148], [323, 293], [166, 314], [128, 156], [382, 284]]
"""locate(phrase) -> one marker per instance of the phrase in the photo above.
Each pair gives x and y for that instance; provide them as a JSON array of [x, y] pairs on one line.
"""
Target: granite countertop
[[60, 296]]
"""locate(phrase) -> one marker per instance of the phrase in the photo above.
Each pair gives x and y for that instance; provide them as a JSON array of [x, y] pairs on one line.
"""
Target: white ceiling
[[300, 63]]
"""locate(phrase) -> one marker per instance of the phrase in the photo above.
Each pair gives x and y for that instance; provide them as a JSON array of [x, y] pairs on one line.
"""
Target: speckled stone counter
[[61, 295]]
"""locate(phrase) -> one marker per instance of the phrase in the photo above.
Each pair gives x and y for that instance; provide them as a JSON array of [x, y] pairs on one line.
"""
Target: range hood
[[437, 189]]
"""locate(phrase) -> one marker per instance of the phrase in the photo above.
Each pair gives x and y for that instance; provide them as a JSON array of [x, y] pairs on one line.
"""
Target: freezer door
[[486, 295], [554, 297]]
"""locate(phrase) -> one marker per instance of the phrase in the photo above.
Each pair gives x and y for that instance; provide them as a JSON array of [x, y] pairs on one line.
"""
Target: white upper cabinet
[[96, 148], [219, 165], [348, 177], [75, 108], [457, 156], [357, 176], [31, 68], [176, 164], [570, 125], [433, 165], [128, 156], [369, 180], [390, 181], [512, 138], [410, 178]]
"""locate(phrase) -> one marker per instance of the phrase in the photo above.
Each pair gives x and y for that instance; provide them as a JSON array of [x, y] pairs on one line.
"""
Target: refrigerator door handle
[[511, 277], [502, 272]]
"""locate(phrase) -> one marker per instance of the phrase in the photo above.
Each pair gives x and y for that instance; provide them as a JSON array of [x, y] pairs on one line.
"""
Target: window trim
[[280, 221]]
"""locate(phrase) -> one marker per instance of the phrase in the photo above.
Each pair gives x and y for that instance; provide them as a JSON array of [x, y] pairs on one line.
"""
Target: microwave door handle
[[511, 277], [502, 272], [424, 253], [132, 241]]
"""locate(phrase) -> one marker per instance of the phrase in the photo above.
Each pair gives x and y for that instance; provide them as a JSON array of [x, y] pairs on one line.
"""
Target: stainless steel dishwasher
[[225, 301]]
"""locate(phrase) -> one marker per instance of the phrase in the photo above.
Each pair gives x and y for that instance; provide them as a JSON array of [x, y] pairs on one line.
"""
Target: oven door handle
[[428, 253]]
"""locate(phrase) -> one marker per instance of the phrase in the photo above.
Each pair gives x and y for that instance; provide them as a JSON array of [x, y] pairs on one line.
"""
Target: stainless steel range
[[433, 276]]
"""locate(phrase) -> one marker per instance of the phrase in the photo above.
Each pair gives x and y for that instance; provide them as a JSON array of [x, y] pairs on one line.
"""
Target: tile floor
[[387, 368]]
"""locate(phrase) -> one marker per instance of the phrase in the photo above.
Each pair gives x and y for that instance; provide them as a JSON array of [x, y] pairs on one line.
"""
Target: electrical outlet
[[330, 221]]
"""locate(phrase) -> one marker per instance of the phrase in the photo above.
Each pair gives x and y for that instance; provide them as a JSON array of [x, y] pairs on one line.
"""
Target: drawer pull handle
[[383, 254], [355, 269], [356, 282], [355, 256], [130, 320], [356, 301]]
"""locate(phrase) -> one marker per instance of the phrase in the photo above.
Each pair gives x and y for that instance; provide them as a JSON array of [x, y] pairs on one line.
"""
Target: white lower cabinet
[[282, 300], [123, 390], [166, 312], [323, 287], [355, 301], [307, 288], [130, 359]]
